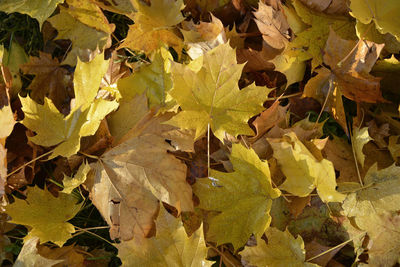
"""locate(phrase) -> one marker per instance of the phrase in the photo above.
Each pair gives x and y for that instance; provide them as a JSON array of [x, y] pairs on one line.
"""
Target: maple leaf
[[374, 209], [69, 255], [338, 7], [350, 63], [38, 9], [154, 26], [359, 138], [77, 26], [170, 247], [244, 198], [29, 256], [282, 250], [153, 79], [303, 171], [70, 183], [13, 58], [273, 25], [381, 15], [204, 36], [394, 147], [124, 7], [292, 67], [48, 222], [6, 115], [49, 79], [52, 128], [136, 174], [208, 94], [305, 46]]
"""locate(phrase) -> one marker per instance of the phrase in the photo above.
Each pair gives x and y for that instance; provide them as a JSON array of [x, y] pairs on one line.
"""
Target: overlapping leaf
[[208, 94], [243, 197]]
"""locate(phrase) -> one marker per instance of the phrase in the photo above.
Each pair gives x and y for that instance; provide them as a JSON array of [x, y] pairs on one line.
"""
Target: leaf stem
[[29, 162]]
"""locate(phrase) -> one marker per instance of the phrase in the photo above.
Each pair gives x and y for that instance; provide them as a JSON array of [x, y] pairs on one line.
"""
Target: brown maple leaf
[[50, 80]]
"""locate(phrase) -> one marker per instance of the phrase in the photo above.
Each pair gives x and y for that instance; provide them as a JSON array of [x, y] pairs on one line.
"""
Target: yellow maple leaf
[[244, 198], [154, 26], [77, 27], [52, 128], [208, 93], [303, 171], [374, 210], [70, 183], [38, 9], [49, 221], [282, 250], [170, 247], [306, 46]]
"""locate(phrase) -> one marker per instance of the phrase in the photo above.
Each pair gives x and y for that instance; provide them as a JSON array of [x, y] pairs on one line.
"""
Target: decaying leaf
[[244, 198]]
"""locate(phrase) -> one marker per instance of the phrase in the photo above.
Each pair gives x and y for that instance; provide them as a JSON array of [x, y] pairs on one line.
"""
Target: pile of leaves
[[200, 133]]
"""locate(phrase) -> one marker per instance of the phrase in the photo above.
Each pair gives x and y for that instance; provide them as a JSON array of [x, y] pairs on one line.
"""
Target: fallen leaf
[[204, 36], [305, 46], [303, 171], [52, 128], [336, 7], [359, 138], [131, 178], [314, 248], [70, 183], [373, 209], [244, 198], [217, 98], [171, 246], [67, 254], [282, 250], [82, 36], [49, 81], [381, 15], [39, 10], [154, 26], [153, 79], [273, 26], [29, 256], [48, 222], [394, 147], [268, 119]]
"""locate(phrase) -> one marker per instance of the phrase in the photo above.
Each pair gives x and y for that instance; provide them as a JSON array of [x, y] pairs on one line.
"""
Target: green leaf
[[208, 93], [244, 198], [47, 221]]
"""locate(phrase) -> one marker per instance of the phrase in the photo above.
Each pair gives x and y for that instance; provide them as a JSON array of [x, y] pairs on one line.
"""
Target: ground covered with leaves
[[199, 133]]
